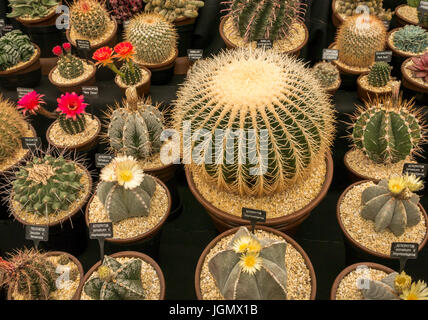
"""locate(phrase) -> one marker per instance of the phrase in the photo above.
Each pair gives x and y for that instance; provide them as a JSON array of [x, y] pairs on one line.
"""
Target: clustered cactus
[[69, 65], [326, 73], [125, 190], [419, 67], [411, 38], [153, 37], [174, 9], [15, 47], [349, 8], [251, 268], [31, 8], [28, 272], [123, 10], [265, 19], [272, 102], [89, 18], [380, 74], [358, 39], [46, 185], [116, 281]]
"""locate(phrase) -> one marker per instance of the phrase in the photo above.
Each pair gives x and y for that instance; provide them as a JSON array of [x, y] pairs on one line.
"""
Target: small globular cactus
[[380, 74], [116, 281], [393, 204], [327, 74], [420, 67], [72, 113], [125, 190], [174, 9], [89, 18], [411, 38], [69, 65], [251, 269], [15, 47]]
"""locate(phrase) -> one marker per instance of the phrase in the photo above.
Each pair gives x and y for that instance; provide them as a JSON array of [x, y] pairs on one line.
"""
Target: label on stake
[[330, 54], [23, 91], [101, 160], [418, 169], [31, 143], [37, 233], [83, 48], [254, 216], [195, 54], [404, 251], [101, 231], [385, 56], [264, 44]]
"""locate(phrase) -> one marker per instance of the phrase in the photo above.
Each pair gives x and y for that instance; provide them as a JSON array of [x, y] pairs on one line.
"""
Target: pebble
[[62, 139]]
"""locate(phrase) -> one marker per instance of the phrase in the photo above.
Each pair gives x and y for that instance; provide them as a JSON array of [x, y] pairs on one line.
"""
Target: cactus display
[[124, 189], [89, 18], [153, 37], [388, 129], [123, 10], [411, 38], [273, 100], [46, 185], [28, 272], [419, 67], [327, 74], [72, 113], [15, 47], [135, 128], [393, 204], [251, 268], [375, 7], [358, 39], [31, 8], [69, 66], [116, 281], [380, 74], [174, 9], [263, 19]]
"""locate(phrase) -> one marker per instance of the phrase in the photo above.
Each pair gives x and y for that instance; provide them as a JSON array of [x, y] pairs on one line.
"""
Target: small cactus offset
[[174, 9], [47, 185], [15, 47], [116, 281], [29, 273], [89, 18], [125, 190], [420, 67], [251, 268], [31, 8], [380, 74], [411, 38], [153, 37], [69, 65], [349, 8], [327, 74], [72, 108], [392, 204], [358, 39]]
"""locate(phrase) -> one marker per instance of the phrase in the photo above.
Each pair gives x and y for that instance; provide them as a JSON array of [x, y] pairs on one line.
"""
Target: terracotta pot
[[148, 235], [356, 244], [163, 72], [182, 65], [231, 45], [126, 254], [288, 223], [366, 94], [409, 82], [354, 175], [276, 232], [81, 147], [335, 17], [346, 70], [50, 19], [351, 268], [71, 257], [396, 52], [401, 20], [76, 86], [143, 89]]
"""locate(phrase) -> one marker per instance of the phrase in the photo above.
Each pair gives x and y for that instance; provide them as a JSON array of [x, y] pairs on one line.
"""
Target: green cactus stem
[[72, 126], [380, 74]]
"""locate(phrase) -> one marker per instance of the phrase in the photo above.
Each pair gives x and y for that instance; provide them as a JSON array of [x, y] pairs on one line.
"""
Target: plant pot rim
[[77, 146], [101, 44], [139, 85], [126, 254], [184, 21], [73, 84], [367, 89], [335, 13], [162, 65], [357, 244], [224, 216], [401, 17], [287, 238], [25, 65], [347, 69], [351, 268], [39, 20], [75, 261], [230, 44], [148, 234], [411, 80], [72, 213], [397, 52]]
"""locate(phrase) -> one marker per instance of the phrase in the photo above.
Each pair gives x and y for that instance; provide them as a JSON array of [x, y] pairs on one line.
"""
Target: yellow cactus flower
[[250, 263], [396, 185], [417, 291], [402, 282], [254, 246], [413, 183], [241, 245], [104, 272]]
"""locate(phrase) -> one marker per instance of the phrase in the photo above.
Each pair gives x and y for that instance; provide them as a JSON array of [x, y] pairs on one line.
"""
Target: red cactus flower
[[71, 104], [57, 50], [30, 102], [124, 50], [66, 46], [103, 56], [420, 67]]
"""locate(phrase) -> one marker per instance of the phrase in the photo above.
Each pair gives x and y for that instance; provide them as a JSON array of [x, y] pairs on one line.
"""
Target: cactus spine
[[411, 39], [70, 66], [326, 73], [174, 9], [251, 269], [31, 8], [131, 74], [273, 100], [116, 281], [153, 37], [89, 18], [71, 126], [15, 47], [358, 39], [380, 74]]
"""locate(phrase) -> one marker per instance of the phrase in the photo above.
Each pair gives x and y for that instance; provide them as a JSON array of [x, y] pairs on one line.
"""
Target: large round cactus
[[89, 18], [269, 111]]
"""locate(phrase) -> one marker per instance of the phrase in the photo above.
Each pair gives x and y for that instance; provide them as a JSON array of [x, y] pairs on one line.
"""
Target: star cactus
[[420, 67]]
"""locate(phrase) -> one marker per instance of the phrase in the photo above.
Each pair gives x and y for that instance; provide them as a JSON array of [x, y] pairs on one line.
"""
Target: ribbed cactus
[[31, 8], [392, 204], [174, 9], [70, 66], [251, 268], [15, 47], [267, 100], [349, 8], [326, 73], [72, 113], [28, 272], [46, 186], [131, 75], [358, 39], [89, 18], [265, 19], [153, 37], [71, 126], [411, 39], [125, 190], [116, 281], [380, 74], [380, 290], [136, 127]]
